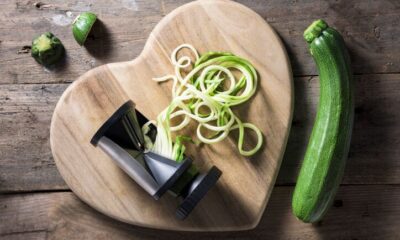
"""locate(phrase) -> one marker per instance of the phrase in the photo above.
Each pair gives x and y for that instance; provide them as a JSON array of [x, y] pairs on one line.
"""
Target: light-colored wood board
[[25, 112], [360, 212], [373, 44], [238, 200]]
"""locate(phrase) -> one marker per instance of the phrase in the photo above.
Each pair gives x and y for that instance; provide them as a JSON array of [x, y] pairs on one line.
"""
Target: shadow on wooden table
[[99, 43], [73, 219], [301, 121]]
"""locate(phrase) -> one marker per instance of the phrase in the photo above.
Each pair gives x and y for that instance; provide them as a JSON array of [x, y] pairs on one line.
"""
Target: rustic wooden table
[[36, 203]]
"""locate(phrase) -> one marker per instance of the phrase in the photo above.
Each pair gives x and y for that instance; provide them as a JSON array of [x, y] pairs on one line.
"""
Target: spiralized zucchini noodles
[[205, 94]]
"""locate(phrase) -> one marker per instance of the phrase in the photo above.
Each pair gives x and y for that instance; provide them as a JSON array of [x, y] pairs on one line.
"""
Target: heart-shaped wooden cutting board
[[238, 200]]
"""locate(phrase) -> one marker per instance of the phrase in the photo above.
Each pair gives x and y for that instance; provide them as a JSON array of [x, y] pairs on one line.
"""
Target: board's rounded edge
[[56, 110], [289, 77], [67, 91], [61, 101], [166, 19], [53, 120]]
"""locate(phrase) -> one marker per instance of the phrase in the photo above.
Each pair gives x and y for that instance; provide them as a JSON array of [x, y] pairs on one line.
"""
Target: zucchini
[[327, 151]]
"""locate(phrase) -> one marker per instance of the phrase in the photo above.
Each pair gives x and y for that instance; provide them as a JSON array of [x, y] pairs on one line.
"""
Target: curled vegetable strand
[[205, 95]]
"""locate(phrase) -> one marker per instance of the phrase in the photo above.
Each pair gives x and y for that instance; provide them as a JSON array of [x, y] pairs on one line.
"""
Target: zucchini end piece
[[82, 26], [315, 30], [47, 49]]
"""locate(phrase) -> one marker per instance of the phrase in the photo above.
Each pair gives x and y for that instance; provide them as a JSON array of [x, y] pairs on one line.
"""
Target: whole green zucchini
[[328, 147]]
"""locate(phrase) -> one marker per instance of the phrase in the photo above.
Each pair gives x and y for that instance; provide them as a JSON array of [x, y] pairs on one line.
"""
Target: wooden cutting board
[[238, 200]]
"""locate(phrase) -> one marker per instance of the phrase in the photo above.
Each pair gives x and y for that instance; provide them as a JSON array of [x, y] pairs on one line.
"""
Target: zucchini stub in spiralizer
[[327, 151]]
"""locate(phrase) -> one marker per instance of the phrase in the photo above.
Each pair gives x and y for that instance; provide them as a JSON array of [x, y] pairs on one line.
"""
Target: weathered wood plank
[[34, 235], [25, 157], [25, 114], [127, 24], [360, 212]]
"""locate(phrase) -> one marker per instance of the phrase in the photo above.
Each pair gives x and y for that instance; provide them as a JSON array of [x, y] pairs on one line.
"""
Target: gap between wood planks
[[294, 76], [67, 190]]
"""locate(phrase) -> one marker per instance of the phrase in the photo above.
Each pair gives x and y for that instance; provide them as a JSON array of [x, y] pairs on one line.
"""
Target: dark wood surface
[[35, 202]]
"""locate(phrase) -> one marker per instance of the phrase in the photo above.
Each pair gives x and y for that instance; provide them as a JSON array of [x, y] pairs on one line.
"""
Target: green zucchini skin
[[329, 144]]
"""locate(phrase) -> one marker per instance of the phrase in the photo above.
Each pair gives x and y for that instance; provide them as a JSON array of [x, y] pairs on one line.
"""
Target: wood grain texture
[[27, 164], [359, 212], [238, 200], [372, 43]]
